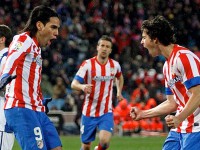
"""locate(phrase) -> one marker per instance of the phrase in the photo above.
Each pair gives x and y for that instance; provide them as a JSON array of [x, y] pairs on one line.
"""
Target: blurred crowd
[[84, 22]]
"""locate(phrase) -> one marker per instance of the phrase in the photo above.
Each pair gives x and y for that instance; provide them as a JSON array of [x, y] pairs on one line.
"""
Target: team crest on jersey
[[112, 71], [40, 144], [18, 45]]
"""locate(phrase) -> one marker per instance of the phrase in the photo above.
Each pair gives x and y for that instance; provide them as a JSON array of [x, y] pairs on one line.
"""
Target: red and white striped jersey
[[182, 71], [101, 77], [24, 60]]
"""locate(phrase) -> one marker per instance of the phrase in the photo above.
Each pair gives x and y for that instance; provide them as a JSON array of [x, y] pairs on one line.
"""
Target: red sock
[[102, 148]]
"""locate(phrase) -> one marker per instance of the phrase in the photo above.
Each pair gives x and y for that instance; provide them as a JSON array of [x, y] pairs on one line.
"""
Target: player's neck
[[102, 60], [167, 50], [1, 47]]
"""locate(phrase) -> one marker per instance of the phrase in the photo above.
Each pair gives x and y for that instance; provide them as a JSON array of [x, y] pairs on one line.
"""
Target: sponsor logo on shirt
[[103, 78], [176, 79]]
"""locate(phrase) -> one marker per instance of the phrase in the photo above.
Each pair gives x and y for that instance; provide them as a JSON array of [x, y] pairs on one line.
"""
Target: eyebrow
[[54, 26]]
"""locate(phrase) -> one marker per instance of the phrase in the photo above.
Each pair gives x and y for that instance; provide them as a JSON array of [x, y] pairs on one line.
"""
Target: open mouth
[[50, 41]]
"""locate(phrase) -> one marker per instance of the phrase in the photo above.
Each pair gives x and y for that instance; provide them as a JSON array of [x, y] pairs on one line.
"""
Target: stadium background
[[83, 23]]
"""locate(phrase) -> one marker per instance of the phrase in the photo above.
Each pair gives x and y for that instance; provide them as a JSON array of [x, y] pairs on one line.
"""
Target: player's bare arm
[[86, 88], [192, 104], [119, 85], [164, 108]]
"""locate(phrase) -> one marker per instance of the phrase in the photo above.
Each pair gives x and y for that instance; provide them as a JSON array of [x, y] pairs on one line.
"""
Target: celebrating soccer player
[[25, 106], [182, 83]]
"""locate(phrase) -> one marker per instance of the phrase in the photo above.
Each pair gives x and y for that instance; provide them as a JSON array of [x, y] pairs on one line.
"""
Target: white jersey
[[24, 59], [101, 77], [3, 55], [6, 139], [182, 71]]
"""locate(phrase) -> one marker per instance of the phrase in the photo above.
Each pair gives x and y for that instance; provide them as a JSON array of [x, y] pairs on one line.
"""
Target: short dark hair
[[106, 38], [6, 32], [40, 13], [159, 28]]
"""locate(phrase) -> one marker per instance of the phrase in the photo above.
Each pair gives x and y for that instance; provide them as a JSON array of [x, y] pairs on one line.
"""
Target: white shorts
[[6, 140], [2, 115]]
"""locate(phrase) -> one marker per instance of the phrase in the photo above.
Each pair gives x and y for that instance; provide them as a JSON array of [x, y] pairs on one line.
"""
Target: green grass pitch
[[117, 143]]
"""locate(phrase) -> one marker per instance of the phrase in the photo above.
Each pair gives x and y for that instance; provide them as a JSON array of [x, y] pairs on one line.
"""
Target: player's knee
[[86, 146]]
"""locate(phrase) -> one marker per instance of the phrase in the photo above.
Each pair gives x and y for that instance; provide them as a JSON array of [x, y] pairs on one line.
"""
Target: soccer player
[[24, 109], [95, 78], [182, 82], [6, 136]]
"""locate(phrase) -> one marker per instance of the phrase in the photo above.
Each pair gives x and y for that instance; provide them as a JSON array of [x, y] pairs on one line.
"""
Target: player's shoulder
[[85, 62], [114, 61], [22, 37]]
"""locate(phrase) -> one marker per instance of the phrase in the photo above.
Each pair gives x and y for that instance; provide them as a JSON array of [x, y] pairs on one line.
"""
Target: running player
[[95, 77], [182, 81]]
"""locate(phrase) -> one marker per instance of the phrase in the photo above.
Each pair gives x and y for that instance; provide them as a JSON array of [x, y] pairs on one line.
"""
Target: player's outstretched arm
[[164, 108], [5, 79]]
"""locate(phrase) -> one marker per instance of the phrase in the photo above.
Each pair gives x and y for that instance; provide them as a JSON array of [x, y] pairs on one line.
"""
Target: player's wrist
[[83, 88]]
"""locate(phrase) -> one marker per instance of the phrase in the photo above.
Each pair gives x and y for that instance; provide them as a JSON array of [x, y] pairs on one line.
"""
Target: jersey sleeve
[[188, 65], [119, 71], [19, 47], [80, 75]]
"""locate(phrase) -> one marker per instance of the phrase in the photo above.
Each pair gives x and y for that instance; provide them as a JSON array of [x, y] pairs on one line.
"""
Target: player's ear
[[39, 25], [110, 50], [2, 39], [156, 41]]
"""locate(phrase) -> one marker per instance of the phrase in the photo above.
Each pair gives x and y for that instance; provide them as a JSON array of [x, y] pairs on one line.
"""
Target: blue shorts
[[33, 130], [182, 141], [89, 126]]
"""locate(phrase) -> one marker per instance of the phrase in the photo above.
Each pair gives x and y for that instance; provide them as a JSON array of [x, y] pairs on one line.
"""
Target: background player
[[95, 77], [6, 135]]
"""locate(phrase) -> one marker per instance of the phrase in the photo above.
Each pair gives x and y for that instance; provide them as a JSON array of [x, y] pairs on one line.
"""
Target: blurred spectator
[[59, 94], [79, 100], [46, 86], [68, 104], [139, 96], [122, 117]]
